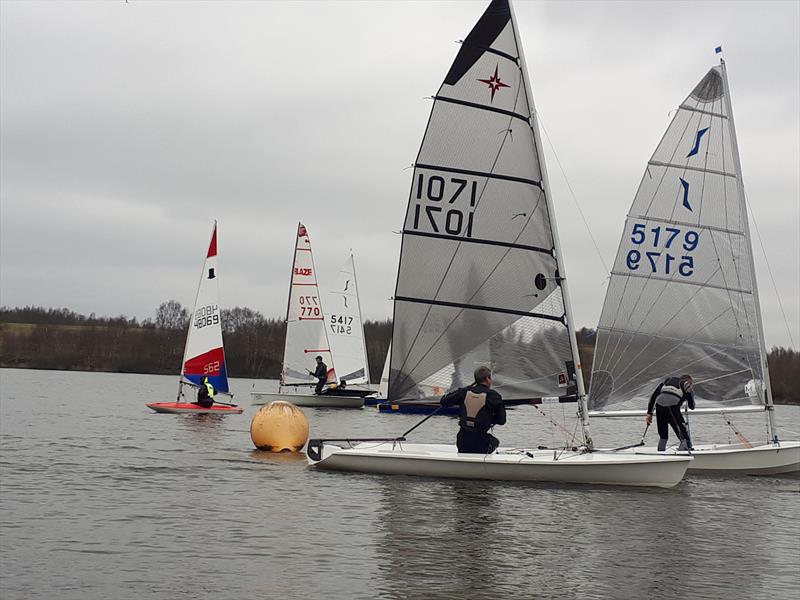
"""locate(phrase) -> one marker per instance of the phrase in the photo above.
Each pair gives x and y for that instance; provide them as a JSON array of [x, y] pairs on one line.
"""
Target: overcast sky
[[128, 128]]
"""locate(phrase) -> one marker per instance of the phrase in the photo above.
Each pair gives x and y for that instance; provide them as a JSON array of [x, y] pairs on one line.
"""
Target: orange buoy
[[279, 427]]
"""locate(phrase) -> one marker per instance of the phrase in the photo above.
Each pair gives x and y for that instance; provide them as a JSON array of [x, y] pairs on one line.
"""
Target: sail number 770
[[672, 250], [444, 205]]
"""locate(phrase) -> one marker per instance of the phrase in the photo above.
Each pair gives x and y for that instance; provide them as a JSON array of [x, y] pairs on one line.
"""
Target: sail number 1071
[[673, 248], [441, 206]]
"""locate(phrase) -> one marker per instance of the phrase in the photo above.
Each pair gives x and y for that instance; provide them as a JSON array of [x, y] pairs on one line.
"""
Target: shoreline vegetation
[[45, 338]]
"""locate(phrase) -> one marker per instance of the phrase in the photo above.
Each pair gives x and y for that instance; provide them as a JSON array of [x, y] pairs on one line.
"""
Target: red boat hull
[[191, 408]]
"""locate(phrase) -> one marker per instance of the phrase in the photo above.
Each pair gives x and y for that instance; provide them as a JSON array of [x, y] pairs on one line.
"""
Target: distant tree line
[[48, 338]]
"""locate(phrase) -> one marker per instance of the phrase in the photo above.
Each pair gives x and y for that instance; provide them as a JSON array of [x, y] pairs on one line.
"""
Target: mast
[[360, 319], [289, 301], [771, 431], [583, 411], [191, 316]]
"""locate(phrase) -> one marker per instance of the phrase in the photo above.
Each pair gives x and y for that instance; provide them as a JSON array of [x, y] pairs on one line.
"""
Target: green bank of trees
[[47, 338]]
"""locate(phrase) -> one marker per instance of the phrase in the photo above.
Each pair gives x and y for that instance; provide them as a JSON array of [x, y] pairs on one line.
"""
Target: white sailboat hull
[[308, 400], [737, 459], [441, 460]]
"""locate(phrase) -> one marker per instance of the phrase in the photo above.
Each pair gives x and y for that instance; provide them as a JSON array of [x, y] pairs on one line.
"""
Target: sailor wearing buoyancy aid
[[480, 409], [205, 393], [667, 399]]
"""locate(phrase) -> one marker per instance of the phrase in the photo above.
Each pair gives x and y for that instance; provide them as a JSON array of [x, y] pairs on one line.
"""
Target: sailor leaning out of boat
[[481, 408], [667, 399]]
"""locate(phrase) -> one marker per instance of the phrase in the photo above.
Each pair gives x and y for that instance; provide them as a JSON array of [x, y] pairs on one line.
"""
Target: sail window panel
[[687, 196], [482, 141], [479, 275], [683, 256], [493, 81], [306, 340], [634, 364], [441, 346], [481, 209]]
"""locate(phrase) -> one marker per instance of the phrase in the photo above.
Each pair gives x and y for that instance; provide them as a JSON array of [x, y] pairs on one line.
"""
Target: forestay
[[478, 279], [344, 327], [306, 336], [204, 353], [681, 298]]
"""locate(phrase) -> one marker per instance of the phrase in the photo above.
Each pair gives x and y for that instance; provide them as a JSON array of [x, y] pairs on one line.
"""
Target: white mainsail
[[682, 296], [306, 336], [344, 327], [480, 275], [204, 354]]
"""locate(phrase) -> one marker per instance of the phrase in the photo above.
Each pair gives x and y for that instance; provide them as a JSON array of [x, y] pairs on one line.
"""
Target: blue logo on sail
[[694, 150], [685, 185]]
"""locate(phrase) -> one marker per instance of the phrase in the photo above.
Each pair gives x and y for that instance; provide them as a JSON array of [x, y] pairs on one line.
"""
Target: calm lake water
[[102, 498]]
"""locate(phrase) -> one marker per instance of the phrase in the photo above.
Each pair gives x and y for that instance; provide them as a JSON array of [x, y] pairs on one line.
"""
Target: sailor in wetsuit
[[667, 399], [480, 409], [321, 373], [205, 393]]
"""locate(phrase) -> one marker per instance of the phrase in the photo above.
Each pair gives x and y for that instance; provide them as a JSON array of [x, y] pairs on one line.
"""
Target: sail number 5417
[[665, 241]]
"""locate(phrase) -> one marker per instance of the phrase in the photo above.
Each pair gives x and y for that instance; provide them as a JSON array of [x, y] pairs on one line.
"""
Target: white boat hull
[[737, 459], [308, 400], [441, 460]]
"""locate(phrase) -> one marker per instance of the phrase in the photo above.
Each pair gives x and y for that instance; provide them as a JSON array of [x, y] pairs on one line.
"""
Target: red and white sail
[[204, 353], [306, 336]]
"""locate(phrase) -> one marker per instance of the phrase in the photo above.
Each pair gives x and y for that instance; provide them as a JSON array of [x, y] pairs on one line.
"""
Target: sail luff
[[545, 181], [289, 303], [746, 222], [360, 318]]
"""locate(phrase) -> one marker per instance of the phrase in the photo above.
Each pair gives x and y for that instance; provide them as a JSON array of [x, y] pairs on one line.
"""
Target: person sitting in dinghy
[[667, 399], [321, 373], [205, 393], [481, 408]]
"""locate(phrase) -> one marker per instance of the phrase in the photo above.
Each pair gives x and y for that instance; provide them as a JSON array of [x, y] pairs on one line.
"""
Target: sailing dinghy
[[481, 275], [683, 296], [307, 337], [204, 354]]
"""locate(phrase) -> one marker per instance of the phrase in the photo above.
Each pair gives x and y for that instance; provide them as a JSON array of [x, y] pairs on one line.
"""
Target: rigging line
[[769, 270], [739, 436], [556, 423], [458, 247], [741, 304], [572, 192]]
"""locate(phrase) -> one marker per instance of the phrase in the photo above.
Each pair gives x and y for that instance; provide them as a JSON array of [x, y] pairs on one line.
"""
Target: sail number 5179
[[665, 241]]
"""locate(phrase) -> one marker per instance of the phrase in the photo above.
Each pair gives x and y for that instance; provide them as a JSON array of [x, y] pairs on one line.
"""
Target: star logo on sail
[[494, 82]]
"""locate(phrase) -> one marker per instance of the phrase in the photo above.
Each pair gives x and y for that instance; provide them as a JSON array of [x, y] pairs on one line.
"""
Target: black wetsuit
[[322, 376], [667, 399], [203, 398], [480, 408]]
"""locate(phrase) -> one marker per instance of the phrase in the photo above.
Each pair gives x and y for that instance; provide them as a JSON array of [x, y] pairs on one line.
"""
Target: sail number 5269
[[662, 261]]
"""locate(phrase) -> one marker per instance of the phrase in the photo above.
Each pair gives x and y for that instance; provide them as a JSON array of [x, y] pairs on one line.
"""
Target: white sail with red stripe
[[204, 354], [306, 336]]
